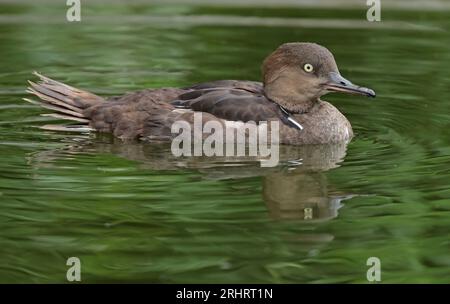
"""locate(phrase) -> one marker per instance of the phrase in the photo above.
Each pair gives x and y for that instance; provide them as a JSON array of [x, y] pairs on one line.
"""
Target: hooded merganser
[[295, 76]]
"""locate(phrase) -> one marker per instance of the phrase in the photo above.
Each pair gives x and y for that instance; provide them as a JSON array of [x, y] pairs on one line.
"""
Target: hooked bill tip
[[371, 93]]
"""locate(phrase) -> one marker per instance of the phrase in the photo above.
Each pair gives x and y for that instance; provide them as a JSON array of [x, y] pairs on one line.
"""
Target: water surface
[[134, 213]]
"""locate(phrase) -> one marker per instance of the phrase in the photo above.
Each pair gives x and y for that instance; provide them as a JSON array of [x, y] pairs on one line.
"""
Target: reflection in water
[[296, 189], [300, 195], [302, 192]]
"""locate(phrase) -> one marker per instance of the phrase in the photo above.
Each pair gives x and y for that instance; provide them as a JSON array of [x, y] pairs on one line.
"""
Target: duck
[[295, 76]]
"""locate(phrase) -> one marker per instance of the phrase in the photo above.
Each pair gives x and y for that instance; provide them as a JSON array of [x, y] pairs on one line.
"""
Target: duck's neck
[[295, 107], [291, 101]]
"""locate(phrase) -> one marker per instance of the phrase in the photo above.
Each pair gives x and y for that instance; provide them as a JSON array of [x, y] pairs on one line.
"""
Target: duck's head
[[297, 74]]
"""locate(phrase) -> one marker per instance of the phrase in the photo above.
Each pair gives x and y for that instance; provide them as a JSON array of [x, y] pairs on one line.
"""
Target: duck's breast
[[324, 124]]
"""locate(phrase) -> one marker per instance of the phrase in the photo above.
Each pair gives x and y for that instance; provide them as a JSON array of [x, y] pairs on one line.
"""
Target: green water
[[134, 213]]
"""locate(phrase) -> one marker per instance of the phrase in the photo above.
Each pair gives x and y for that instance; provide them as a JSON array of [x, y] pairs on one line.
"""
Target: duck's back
[[150, 112], [230, 100]]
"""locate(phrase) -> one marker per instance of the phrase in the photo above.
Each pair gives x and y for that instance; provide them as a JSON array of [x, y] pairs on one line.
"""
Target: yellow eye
[[308, 68]]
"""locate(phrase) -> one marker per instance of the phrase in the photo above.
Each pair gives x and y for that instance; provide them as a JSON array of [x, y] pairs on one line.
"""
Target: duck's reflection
[[296, 189], [302, 192], [300, 195]]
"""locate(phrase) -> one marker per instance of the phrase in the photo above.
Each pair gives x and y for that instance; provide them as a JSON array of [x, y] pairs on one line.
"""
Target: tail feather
[[55, 108], [66, 102], [45, 93], [66, 117], [68, 128], [52, 100]]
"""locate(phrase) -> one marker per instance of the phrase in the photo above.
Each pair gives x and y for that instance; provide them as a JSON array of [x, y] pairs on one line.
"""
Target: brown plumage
[[295, 76]]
